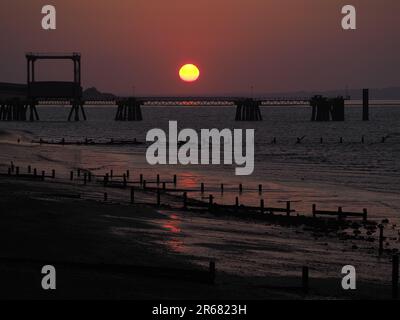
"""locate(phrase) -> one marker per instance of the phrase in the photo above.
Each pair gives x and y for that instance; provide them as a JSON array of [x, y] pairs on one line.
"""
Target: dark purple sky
[[273, 45]]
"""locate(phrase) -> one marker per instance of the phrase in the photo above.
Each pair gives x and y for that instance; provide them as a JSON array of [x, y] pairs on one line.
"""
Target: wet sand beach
[[63, 221]]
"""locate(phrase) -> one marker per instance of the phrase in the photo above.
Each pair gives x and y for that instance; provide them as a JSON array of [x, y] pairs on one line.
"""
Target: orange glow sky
[[273, 45]]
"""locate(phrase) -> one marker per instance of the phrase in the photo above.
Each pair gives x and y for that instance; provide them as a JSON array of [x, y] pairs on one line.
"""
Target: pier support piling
[[129, 110], [248, 110]]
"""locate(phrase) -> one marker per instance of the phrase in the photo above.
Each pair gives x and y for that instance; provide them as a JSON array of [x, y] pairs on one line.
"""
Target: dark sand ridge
[[37, 222]]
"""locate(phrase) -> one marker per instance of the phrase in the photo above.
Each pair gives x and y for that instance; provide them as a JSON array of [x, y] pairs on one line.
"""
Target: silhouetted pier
[[17, 100]]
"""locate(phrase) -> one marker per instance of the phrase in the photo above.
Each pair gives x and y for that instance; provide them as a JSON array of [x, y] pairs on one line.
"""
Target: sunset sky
[[273, 45]]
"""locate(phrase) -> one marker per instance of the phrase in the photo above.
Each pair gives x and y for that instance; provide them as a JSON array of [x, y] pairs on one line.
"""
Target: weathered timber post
[[158, 197], [288, 208], [381, 239], [210, 201], [395, 277], [185, 200], [365, 215], [365, 104], [305, 280], [212, 272], [124, 181], [132, 195], [340, 213]]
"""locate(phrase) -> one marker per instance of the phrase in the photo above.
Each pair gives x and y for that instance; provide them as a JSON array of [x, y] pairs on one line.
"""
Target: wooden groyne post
[[132, 195], [185, 200], [158, 197], [210, 201], [395, 277], [288, 209], [305, 280], [212, 271], [125, 183], [365, 104], [381, 239]]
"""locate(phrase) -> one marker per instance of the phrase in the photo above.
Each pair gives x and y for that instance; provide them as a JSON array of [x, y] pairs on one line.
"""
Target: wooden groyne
[[168, 195], [169, 188], [88, 142], [363, 139]]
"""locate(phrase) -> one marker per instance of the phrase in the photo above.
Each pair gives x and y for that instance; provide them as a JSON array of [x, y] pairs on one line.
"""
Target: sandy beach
[[69, 223]]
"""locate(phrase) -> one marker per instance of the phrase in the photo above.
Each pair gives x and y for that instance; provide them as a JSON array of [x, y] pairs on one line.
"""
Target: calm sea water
[[352, 173]]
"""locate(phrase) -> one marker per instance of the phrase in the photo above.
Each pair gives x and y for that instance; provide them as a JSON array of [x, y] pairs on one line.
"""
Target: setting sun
[[189, 73]]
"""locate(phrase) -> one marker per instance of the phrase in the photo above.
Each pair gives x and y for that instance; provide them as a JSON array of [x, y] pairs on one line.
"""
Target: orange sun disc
[[189, 73]]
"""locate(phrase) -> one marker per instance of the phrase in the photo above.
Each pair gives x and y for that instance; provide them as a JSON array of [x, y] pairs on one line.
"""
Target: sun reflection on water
[[175, 236]]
